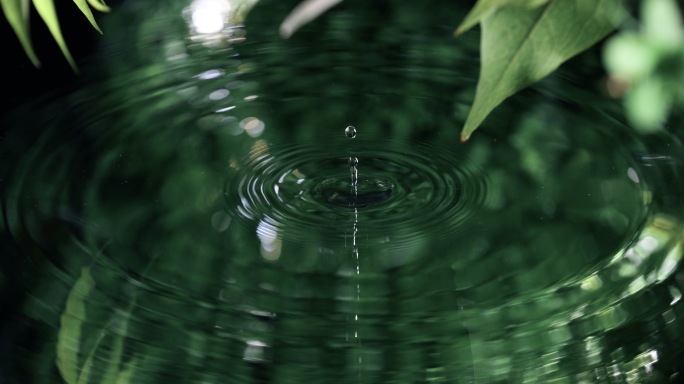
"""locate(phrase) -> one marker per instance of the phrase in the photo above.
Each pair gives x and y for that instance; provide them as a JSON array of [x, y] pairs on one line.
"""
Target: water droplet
[[353, 161], [350, 132]]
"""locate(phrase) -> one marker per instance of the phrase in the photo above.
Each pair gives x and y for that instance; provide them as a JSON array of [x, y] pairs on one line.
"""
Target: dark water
[[199, 213]]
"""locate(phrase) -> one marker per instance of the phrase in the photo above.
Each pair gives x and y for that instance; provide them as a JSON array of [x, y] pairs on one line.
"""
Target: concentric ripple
[[294, 188]]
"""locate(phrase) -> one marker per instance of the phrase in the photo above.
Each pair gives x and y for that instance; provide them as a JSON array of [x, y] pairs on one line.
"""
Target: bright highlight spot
[[219, 94], [631, 173], [208, 15], [253, 126]]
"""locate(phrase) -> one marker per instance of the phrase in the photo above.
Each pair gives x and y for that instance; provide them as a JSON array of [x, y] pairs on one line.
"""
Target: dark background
[[23, 82]]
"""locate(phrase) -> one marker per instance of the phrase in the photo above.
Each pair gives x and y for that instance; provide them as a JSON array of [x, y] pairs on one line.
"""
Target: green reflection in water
[[169, 229]]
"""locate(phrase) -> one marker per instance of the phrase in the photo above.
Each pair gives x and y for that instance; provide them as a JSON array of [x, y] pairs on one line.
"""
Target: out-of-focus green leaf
[[46, 10], [520, 46], [16, 12], [126, 375], [69, 337], [99, 5], [84, 376], [662, 23], [112, 373], [484, 8], [303, 13], [647, 105], [628, 57], [649, 61], [85, 9]]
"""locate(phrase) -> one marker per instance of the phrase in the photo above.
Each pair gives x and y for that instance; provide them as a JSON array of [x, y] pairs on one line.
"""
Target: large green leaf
[[522, 45], [484, 8], [47, 12], [16, 12]]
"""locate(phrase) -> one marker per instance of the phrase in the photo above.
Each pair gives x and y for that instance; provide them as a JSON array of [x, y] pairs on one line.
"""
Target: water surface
[[199, 213]]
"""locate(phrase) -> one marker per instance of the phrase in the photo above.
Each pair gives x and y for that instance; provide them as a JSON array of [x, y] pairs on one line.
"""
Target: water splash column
[[350, 132]]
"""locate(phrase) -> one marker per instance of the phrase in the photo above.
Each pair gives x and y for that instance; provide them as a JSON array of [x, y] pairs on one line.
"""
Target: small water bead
[[350, 132], [354, 161]]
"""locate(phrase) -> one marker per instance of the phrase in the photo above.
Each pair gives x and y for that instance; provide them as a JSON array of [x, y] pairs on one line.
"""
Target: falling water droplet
[[350, 132]]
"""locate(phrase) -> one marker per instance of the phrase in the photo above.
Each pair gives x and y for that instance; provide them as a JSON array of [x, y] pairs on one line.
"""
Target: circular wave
[[294, 188]]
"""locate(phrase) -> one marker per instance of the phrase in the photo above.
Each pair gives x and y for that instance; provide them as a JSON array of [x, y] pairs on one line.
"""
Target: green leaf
[[99, 5], [126, 375], [484, 8], [46, 10], [629, 57], [304, 13], [647, 105], [85, 9], [16, 12], [112, 372], [69, 337], [662, 23], [84, 377], [520, 46]]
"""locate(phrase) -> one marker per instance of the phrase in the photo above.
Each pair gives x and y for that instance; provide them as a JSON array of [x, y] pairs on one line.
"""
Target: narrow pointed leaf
[[46, 10], [85, 9], [16, 12], [304, 13], [69, 337], [520, 46], [99, 5]]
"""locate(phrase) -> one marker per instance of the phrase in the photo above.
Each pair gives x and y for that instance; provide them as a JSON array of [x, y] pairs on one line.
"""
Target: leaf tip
[[464, 138]]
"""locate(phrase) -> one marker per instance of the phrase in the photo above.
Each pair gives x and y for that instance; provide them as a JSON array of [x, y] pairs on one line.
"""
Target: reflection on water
[[195, 214]]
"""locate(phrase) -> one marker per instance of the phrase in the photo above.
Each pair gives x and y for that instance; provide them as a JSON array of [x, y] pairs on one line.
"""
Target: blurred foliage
[[76, 366], [523, 42], [645, 60], [646, 64]]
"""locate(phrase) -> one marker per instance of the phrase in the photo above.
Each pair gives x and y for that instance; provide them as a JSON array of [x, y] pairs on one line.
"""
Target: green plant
[[522, 42], [646, 64], [17, 14]]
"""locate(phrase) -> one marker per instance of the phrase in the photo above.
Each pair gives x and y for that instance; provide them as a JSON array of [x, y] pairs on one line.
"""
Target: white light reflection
[[254, 351], [632, 174], [226, 109], [647, 359], [676, 295], [210, 74], [220, 221], [271, 245], [219, 94], [592, 283], [208, 15], [253, 126]]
